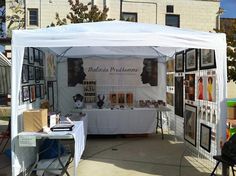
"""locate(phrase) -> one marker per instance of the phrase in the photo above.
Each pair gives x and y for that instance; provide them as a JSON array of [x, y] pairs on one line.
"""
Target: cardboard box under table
[[34, 120]]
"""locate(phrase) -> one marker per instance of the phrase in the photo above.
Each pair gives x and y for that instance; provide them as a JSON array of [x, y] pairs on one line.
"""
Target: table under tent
[[104, 42]]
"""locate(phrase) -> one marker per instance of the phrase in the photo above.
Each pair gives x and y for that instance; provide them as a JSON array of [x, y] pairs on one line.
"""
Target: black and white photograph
[[25, 74], [42, 91], [25, 93], [179, 61], [207, 59], [31, 72], [36, 55], [37, 74], [190, 124], [205, 137], [179, 93], [37, 90], [31, 56], [191, 60], [26, 53]]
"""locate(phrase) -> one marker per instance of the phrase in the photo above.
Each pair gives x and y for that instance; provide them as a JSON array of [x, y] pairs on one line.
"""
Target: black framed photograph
[[41, 58], [31, 56], [31, 72], [37, 74], [41, 77], [190, 87], [32, 93], [25, 93], [42, 91], [190, 124], [207, 59], [36, 55], [37, 90], [191, 56], [179, 61], [26, 53], [205, 137], [25, 74]]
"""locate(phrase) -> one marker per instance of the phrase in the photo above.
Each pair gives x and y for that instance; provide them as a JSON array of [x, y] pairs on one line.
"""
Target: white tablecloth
[[121, 121]]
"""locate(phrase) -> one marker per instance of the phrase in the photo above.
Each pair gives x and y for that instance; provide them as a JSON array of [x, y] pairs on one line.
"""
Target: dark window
[[130, 16], [33, 17], [172, 20], [170, 9]]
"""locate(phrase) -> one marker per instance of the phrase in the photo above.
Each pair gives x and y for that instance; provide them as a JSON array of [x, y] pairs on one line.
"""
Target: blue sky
[[230, 8]]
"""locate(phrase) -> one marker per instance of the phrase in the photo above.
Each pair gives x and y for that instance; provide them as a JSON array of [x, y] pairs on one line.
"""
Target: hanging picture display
[[190, 87], [170, 65], [210, 88], [191, 60], [205, 137], [179, 96], [190, 124], [169, 98], [50, 63], [200, 88], [179, 61], [32, 93], [128, 72], [170, 80], [207, 59]]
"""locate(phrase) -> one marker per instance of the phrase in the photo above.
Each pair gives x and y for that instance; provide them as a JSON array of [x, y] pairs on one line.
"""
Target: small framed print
[[179, 61], [205, 137], [207, 59], [36, 55], [26, 53], [38, 91], [190, 124], [37, 74], [25, 93], [121, 98], [42, 91], [31, 56], [25, 74], [113, 98], [41, 58], [129, 99], [191, 60], [41, 77], [31, 72], [32, 93]]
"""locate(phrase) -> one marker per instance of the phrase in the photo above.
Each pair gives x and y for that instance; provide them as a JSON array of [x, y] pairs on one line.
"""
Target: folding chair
[[5, 135]]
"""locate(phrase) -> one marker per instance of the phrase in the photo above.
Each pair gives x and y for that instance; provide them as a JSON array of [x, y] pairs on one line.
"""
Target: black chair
[[227, 162]]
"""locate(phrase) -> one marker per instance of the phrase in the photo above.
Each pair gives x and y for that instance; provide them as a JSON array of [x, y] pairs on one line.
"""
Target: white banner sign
[[128, 72]]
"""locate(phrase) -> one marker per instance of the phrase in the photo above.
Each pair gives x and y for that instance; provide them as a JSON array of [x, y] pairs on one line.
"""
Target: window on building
[[33, 17], [172, 20], [169, 9], [130, 16]]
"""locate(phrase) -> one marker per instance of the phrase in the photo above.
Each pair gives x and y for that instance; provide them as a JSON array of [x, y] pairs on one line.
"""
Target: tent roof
[[4, 61], [118, 34]]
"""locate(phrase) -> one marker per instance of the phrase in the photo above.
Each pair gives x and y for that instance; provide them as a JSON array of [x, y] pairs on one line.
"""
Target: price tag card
[[27, 141]]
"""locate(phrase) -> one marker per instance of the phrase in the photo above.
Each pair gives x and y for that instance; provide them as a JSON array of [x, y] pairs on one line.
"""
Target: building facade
[[189, 14]]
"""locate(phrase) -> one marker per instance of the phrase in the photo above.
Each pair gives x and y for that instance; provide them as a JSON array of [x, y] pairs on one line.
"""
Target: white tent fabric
[[4, 61], [109, 38]]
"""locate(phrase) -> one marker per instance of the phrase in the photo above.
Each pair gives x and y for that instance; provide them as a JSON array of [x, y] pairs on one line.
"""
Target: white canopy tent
[[114, 38]]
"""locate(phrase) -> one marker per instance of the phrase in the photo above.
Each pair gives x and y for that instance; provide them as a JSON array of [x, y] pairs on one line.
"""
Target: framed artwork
[[170, 65], [26, 53], [41, 58], [129, 99], [169, 98], [207, 59], [179, 61], [179, 96], [210, 88], [36, 55], [191, 60], [50, 64], [25, 74], [31, 56], [205, 137], [190, 87], [31, 72], [25, 93], [170, 80], [42, 91], [32, 93], [41, 75], [121, 98], [113, 98], [37, 74], [200, 88], [37, 90], [190, 124]]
